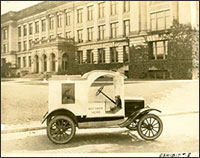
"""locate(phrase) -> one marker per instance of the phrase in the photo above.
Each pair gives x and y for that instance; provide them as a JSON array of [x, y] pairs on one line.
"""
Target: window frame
[[101, 56], [68, 18], [114, 55], [80, 15], [43, 25], [90, 11], [101, 10], [90, 33], [114, 30]]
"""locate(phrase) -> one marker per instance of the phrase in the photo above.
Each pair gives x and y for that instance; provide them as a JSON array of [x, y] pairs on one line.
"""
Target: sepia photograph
[[100, 78]]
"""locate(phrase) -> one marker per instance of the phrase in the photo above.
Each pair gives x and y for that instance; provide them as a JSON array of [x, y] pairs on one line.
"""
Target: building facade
[[73, 37]]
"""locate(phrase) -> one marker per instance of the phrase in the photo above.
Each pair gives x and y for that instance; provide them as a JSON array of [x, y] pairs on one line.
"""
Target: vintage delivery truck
[[77, 101]]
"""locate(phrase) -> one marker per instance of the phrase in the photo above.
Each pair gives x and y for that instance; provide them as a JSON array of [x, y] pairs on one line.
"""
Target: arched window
[[64, 62], [53, 62], [44, 63], [36, 63]]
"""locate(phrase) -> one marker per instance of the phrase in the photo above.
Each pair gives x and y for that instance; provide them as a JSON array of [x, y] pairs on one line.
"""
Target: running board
[[100, 124]]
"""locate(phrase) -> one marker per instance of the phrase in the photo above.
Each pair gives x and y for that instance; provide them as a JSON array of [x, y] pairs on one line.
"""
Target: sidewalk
[[38, 126]]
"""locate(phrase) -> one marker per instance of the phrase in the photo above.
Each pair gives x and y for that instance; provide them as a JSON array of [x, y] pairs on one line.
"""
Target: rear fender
[[60, 112], [137, 114]]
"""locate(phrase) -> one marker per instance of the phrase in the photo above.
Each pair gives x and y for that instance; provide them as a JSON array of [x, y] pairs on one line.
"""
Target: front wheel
[[61, 129], [150, 127]]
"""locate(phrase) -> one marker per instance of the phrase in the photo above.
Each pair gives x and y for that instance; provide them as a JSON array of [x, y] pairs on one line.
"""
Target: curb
[[6, 131], [44, 127]]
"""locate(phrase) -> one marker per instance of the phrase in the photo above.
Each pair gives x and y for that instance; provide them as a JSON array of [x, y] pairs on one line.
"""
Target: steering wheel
[[99, 90]]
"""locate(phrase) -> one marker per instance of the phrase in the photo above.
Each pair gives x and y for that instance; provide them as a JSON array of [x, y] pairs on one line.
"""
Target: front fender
[[137, 114]]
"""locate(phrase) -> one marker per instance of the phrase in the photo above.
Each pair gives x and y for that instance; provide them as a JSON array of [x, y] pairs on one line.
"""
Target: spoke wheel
[[61, 129], [150, 127]]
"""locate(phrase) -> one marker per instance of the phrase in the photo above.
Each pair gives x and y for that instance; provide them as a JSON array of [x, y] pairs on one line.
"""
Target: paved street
[[180, 135]]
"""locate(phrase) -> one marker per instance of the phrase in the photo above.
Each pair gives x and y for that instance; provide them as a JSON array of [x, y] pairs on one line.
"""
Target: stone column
[[32, 64], [143, 16], [55, 25], [58, 62], [64, 23], [121, 22], [134, 16], [40, 64], [95, 17], [47, 26], [107, 17], [48, 63]]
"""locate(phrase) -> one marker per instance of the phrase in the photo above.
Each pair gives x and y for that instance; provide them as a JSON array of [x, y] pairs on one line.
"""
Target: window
[[19, 46], [68, 93], [101, 55], [37, 27], [19, 62], [79, 57], [24, 61], [30, 44], [126, 53], [90, 34], [126, 27], [114, 29], [160, 20], [5, 34], [113, 7], [51, 19], [101, 32], [43, 25], [80, 36], [64, 62], [30, 29], [68, 18], [90, 13], [5, 49], [101, 9], [29, 61], [59, 20], [89, 56], [126, 6], [113, 55], [158, 50], [25, 45], [25, 30], [68, 35], [19, 31], [79, 15]]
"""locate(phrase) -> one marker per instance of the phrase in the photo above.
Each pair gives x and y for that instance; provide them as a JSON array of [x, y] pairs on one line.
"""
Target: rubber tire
[[64, 118], [140, 123]]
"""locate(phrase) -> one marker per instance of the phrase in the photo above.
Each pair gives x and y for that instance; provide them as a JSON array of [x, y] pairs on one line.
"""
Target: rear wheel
[[61, 129], [150, 127]]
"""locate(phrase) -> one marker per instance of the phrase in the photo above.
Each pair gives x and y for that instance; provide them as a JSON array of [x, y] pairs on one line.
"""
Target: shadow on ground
[[41, 143]]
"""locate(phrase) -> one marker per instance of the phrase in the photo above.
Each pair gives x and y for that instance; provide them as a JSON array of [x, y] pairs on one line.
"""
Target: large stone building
[[74, 37]]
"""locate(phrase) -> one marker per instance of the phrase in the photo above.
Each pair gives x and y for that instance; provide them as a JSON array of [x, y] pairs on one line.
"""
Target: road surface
[[180, 135]]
